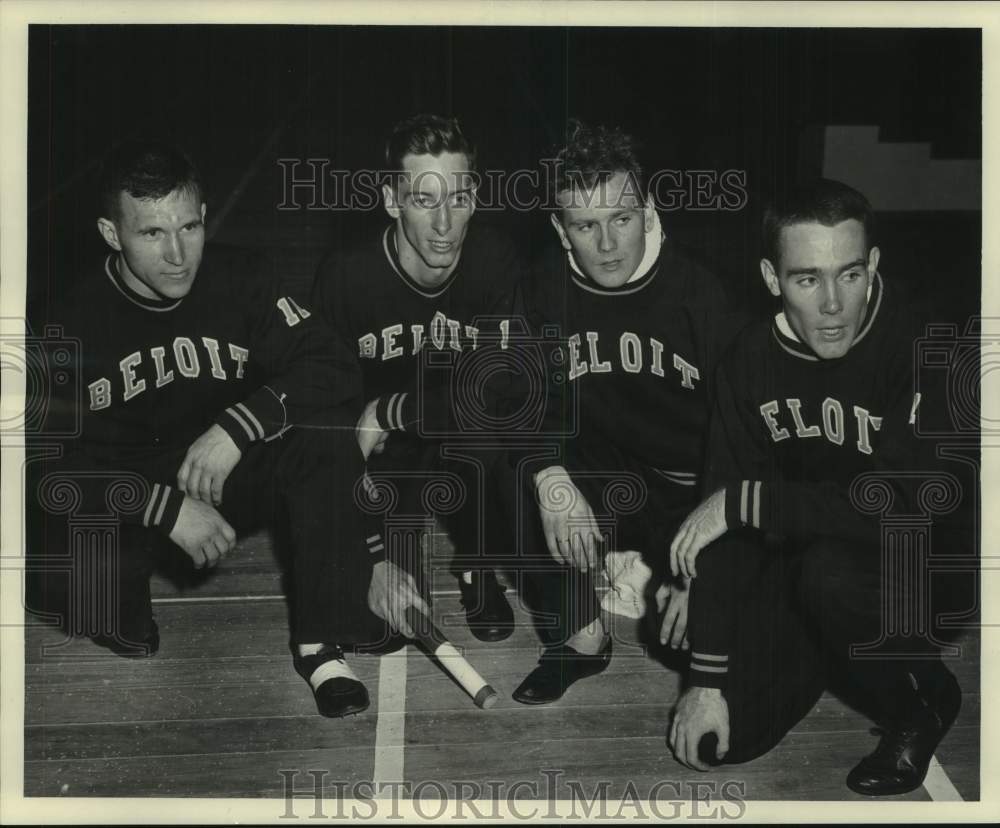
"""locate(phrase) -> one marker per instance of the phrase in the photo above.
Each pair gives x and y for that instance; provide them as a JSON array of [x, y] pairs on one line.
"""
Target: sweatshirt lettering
[[828, 421], [632, 354], [160, 365], [441, 333]]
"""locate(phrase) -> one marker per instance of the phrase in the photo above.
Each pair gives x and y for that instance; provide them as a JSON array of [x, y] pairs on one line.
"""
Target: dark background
[[240, 97]]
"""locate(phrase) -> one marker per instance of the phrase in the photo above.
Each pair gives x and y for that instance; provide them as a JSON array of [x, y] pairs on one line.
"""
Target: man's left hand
[[674, 628], [207, 464], [704, 525]]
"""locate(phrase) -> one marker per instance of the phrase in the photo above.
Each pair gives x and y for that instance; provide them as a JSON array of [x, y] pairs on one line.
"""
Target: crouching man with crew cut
[[210, 402], [787, 570]]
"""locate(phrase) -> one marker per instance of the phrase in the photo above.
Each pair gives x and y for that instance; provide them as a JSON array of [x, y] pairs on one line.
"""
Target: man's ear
[[873, 256], [563, 238], [389, 200], [648, 213], [108, 231], [770, 277]]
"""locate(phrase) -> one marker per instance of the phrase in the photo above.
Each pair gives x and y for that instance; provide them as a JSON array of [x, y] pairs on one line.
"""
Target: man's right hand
[[568, 522], [701, 710], [202, 532], [391, 593]]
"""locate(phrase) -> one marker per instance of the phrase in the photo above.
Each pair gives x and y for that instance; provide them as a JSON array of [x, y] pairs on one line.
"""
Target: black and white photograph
[[483, 411]]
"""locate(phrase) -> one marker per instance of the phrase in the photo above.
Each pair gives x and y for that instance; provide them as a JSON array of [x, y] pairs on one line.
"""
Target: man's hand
[[391, 593], [202, 532], [371, 438], [207, 464], [700, 710], [567, 520], [705, 524], [674, 627]]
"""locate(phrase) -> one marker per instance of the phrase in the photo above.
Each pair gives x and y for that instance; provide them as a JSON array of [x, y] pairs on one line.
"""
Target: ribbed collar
[[392, 256], [112, 268], [644, 273]]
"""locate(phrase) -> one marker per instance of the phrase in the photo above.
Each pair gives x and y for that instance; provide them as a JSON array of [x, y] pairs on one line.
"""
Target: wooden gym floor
[[220, 712]]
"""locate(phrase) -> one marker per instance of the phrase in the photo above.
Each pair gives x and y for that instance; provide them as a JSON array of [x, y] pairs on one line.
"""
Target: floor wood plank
[[209, 775], [197, 737], [219, 711], [792, 771]]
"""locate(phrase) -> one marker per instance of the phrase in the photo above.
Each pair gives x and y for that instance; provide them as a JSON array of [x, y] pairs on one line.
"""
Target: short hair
[[426, 134], [824, 201], [146, 170], [594, 154]]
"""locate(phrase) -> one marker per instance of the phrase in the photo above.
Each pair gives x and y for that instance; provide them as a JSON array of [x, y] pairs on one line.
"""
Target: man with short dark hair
[[787, 568], [432, 294], [638, 325], [211, 400]]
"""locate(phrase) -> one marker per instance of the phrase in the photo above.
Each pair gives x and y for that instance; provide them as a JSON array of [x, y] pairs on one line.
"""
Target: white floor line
[[938, 785], [205, 599], [391, 725]]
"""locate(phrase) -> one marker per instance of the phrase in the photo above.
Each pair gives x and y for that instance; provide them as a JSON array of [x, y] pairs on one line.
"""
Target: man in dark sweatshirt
[[208, 400], [812, 429], [426, 305], [638, 328]]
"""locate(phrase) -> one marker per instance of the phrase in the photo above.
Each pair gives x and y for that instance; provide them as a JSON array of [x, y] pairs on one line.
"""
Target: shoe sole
[[535, 702], [343, 714], [503, 635], [886, 792]]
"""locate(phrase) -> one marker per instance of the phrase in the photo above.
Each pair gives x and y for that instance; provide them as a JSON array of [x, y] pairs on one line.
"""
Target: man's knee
[[736, 554], [327, 449], [831, 566], [759, 720]]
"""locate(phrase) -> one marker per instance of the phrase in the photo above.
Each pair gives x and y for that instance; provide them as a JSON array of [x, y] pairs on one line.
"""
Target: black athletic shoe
[[338, 695], [143, 647], [487, 612], [899, 764], [557, 669]]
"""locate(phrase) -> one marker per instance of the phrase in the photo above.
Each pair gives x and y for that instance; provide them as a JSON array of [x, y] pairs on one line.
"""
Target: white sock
[[590, 639], [335, 668]]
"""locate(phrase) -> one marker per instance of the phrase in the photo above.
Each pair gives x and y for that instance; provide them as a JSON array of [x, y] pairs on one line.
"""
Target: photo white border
[[15, 15]]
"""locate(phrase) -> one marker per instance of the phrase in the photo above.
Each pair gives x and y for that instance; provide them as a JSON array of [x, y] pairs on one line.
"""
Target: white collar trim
[[654, 241]]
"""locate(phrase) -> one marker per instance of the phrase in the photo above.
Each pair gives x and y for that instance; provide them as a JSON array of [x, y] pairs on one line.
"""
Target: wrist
[[235, 426], [163, 508], [549, 471], [699, 692], [745, 503], [390, 411]]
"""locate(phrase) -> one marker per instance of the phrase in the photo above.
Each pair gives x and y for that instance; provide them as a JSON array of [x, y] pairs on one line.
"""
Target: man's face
[[161, 242], [823, 277], [432, 203], [605, 228]]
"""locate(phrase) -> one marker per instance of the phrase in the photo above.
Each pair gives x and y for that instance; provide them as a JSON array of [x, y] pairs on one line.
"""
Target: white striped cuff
[[250, 424]]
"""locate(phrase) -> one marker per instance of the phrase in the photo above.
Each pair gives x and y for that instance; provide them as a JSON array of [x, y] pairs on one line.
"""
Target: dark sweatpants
[[795, 614], [304, 482], [636, 508], [420, 480]]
